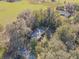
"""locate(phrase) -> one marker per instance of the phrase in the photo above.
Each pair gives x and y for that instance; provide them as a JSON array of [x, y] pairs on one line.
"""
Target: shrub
[[76, 18], [26, 22], [1, 28], [47, 18], [70, 8], [60, 8], [76, 7], [67, 36]]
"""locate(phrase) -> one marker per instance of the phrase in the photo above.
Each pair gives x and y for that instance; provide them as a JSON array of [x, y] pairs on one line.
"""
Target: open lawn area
[[9, 11]]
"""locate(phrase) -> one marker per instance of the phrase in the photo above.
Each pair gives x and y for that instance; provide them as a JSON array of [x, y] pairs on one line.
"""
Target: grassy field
[[9, 11]]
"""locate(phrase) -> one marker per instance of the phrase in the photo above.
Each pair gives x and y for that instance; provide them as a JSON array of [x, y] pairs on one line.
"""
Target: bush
[[26, 22], [47, 18], [76, 7], [70, 8], [67, 36], [76, 18], [1, 28]]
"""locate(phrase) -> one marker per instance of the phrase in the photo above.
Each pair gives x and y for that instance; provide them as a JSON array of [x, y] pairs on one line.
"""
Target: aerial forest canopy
[[47, 33], [41, 34]]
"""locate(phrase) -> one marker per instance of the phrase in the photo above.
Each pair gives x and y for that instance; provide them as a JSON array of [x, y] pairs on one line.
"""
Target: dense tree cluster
[[20, 30], [63, 44]]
